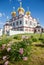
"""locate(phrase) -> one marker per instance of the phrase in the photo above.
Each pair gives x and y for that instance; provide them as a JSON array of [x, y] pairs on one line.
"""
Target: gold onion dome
[[13, 14], [28, 13], [20, 9]]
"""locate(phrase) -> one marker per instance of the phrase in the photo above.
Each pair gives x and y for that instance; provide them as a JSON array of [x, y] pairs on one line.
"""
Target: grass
[[36, 54], [36, 57]]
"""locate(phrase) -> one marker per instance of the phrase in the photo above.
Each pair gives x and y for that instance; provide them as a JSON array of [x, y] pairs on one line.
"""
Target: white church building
[[22, 22]]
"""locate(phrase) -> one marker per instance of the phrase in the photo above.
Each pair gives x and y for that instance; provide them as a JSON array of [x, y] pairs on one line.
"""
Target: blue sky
[[36, 8]]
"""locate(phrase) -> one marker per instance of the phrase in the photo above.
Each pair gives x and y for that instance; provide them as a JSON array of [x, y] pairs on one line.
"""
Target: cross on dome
[[28, 12], [13, 13], [21, 9], [13, 8], [28, 8], [20, 4]]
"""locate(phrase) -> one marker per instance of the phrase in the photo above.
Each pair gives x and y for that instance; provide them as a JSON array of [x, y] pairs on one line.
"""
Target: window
[[20, 22], [39, 30], [30, 22], [21, 29], [13, 24], [26, 29], [26, 22], [17, 23], [34, 24]]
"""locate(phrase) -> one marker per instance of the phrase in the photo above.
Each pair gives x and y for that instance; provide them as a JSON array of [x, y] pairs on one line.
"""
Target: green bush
[[17, 52], [15, 55], [17, 37], [28, 41], [6, 40], [34, 39], [0, 43], [41, 39]]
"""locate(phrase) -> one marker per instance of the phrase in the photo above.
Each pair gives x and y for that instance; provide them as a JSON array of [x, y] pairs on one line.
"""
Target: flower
[[8, 45], [23, 37], [8, 49], [6, 63], [3, 46], [21, 51], [25, 58], [27, 37], [4, 57]]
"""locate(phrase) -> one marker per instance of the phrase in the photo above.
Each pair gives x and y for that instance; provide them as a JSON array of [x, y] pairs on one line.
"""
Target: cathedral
[[21, 22]]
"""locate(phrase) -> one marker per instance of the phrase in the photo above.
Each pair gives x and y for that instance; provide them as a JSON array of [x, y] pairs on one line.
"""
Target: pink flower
[[21, 51], [25, 58], [6, 63], [4, 57], [3, 46], [8, 49]]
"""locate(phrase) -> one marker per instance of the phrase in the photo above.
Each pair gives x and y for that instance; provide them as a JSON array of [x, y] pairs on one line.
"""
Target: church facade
[[21, 22]]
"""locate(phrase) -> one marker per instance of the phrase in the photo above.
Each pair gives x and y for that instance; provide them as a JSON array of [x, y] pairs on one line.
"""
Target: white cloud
[[1, 14]]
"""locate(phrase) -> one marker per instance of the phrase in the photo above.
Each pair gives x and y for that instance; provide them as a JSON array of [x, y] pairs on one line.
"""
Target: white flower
[[23, 37], [25, 58], [8, 45], [4, 57]]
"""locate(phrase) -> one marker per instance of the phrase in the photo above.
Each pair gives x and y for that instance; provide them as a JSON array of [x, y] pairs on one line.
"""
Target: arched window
[[26, 21], [30, 22], [14, 24], [17, 23], [20, 22]]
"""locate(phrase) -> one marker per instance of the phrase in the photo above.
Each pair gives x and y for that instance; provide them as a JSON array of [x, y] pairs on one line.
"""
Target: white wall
[[11, 32]]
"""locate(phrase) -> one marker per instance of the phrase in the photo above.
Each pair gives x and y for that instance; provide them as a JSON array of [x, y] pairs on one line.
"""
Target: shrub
[[0, 43], [18, 51], [34, 39], [41, 39], [28, 41], [17, 37], [6, 40]]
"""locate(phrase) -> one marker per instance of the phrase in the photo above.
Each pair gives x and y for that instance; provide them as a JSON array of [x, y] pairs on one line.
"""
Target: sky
[[36, 7]]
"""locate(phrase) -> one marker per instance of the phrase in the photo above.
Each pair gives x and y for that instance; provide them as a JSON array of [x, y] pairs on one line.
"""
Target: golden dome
[[28, 13], [20, 9], [13, 14]]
